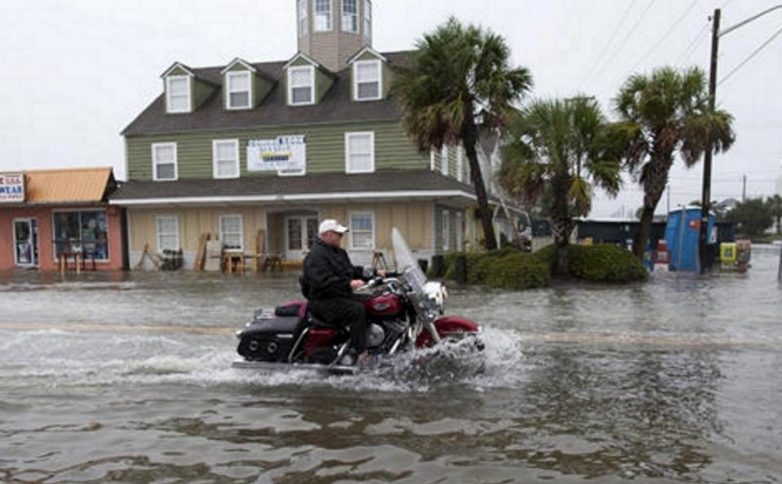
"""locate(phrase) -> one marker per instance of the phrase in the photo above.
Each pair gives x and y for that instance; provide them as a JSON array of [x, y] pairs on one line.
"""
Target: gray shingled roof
[[382, 181], [335, 106]]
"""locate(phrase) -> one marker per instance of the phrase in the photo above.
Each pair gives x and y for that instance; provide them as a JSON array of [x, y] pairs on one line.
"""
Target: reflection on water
[[126, 377]]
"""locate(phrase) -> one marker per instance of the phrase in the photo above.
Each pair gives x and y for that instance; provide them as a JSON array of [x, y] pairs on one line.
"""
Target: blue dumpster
[[681, 235]]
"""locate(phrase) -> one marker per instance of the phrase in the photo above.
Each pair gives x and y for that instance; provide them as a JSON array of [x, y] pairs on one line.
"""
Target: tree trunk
[[644, 232], [469, 139], [561, 223]]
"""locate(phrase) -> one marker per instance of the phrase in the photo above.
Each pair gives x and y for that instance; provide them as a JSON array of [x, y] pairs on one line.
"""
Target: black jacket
[[328, 272]]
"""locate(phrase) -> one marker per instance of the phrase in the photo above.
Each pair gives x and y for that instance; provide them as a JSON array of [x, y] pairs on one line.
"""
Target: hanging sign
[[282, 153], [11, 187]]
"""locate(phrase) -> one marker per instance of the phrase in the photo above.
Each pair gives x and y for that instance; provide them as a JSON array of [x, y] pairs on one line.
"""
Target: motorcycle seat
[[314, 322]]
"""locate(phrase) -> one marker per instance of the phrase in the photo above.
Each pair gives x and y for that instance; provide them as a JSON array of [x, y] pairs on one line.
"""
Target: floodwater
[[127, 377]]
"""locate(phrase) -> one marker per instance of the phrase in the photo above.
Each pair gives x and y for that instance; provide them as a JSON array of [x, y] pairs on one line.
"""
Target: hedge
[[512, 269], [604, 263]]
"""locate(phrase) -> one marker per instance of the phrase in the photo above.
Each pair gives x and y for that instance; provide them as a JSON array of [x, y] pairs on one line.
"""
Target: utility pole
[[705, 260], [744, 189]]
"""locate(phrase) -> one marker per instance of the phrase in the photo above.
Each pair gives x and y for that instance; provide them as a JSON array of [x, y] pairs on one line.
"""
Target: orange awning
[[79, 185]]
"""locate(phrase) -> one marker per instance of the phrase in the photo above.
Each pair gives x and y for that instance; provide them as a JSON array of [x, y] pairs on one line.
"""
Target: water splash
[[59, 358]]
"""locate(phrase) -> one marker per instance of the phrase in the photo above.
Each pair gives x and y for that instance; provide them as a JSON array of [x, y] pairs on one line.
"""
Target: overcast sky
[[74, 73]]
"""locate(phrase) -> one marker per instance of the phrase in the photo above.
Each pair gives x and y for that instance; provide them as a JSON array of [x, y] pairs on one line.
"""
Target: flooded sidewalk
[[127, 377]]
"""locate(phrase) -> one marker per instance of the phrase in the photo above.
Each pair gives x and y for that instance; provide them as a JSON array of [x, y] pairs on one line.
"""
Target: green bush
[[517, 271], [450, 259], [547, 255], [604, 263]]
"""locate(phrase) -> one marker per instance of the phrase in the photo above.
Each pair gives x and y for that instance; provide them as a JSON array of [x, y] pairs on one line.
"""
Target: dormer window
[[239, 90], [301, 85], [367, 80], [350, 16], [323, 15], [178, 94]]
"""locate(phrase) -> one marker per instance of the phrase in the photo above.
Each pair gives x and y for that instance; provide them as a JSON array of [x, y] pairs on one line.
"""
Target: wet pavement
[[127, 377]]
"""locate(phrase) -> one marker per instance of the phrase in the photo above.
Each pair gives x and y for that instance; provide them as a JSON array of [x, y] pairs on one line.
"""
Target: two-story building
[[206, 155]]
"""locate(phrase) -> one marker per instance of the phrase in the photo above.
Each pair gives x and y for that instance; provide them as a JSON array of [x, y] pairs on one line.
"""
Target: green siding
[[261, 89], [322, 84], [388, 79], [178, 71], [201, 92], [325, 149]]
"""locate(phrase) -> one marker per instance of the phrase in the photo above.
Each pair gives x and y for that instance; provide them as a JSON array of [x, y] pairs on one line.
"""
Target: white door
[[25, 242], [300, 234]]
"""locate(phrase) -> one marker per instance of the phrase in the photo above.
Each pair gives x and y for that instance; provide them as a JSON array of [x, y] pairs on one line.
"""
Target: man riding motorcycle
[[328, 281]]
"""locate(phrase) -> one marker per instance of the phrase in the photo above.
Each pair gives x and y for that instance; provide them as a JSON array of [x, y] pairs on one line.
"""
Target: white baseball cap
[[331, 225]]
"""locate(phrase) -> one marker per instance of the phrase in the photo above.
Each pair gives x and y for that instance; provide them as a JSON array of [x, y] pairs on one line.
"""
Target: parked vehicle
[[404, 310]]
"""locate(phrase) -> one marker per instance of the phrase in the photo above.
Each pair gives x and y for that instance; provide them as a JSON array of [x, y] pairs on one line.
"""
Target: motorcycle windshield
[[406, 263]]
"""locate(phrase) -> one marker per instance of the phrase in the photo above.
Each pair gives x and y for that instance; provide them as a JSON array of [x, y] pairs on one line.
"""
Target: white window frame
[[367, 22], [241, 229], [315, 17], [352, 231], [352, 134], [444, 162], [158, 218], [229, 90], [311, 70], [379, 65], [303, 17], [156, 162], [460, 163], [355, 15], [189, 94], [215, 171], [446, 230]]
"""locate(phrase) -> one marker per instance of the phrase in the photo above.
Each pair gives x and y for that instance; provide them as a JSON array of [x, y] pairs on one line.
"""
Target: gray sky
[[76, 72]]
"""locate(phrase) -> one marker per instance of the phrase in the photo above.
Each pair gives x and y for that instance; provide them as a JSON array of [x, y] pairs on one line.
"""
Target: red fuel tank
[[384, 305]]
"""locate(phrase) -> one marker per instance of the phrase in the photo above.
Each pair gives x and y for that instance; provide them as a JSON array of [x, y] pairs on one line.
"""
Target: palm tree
[[775, 205], [558, 150], [460, 84], [663, 115]]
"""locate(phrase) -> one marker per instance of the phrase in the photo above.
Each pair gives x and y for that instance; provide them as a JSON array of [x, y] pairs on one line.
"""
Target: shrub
[[547, 255], [604, 263], [517, 271], [449, 264]]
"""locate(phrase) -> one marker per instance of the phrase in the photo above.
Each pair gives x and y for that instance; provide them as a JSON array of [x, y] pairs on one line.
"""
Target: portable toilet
[[682, 233]]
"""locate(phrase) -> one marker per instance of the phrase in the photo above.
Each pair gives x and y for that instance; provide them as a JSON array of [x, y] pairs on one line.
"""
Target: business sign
[[287, 153], [11, 187]]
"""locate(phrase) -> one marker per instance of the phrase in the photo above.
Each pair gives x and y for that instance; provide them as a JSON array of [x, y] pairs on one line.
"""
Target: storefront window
[[81, 232]]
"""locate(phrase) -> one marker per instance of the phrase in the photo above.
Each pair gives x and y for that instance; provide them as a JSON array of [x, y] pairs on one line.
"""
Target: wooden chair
[[261, 259]]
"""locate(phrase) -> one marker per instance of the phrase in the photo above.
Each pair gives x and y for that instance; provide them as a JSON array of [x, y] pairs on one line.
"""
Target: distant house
[[273, 148]]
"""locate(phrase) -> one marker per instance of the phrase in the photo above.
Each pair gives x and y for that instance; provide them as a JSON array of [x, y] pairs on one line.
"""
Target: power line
[[693, 46], [631, 31], [665, 35], [749, 57], [609, 43]]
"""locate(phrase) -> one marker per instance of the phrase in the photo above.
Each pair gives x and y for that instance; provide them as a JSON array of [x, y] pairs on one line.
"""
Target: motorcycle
[[404, 312]]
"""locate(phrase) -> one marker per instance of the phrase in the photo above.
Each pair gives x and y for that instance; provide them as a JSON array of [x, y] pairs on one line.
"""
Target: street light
[[705, 262]]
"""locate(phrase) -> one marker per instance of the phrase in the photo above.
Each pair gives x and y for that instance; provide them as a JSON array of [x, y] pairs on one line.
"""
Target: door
[[25, 242], [301, 233]]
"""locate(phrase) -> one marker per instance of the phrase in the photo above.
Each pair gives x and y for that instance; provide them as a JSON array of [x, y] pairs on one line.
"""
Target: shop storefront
[[54, 217]]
